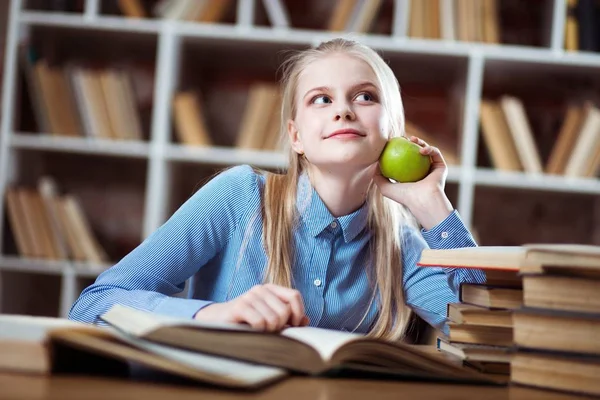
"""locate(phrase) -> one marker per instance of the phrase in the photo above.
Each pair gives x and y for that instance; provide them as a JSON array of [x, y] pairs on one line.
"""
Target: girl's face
[[339, 119]]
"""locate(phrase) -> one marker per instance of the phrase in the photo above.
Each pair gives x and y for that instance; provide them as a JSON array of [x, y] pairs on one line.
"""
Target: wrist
[[432, 210], [205, 312]]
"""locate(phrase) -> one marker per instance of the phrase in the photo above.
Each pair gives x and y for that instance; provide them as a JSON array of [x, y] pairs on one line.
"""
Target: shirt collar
[[316, 216]]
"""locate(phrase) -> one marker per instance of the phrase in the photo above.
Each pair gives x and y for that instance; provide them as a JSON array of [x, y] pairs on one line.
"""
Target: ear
[[294, 136]]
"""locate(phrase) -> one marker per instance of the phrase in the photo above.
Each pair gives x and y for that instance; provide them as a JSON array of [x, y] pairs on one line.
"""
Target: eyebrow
[[361, 85]]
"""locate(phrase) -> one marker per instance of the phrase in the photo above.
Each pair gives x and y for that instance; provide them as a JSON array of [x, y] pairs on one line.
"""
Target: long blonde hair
[[385, 217]]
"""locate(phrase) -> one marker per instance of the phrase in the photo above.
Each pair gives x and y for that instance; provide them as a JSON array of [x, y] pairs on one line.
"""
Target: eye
[[321, 99], [365, 96]]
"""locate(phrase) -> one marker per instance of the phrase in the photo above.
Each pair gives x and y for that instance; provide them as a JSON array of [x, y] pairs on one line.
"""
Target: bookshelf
[[129, 188]]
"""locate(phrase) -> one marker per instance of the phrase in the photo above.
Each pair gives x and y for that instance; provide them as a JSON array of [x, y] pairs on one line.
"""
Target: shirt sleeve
[[429, 290], [157, 269]]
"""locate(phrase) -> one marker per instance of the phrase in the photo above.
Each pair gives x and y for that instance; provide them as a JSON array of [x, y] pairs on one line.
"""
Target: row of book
[[464, 20], [537, 317], [259, 127], [77, 101], [47, 225], [510, 141]]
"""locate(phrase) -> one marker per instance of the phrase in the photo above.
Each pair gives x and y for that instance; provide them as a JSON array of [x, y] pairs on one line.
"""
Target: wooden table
[[88, 387]]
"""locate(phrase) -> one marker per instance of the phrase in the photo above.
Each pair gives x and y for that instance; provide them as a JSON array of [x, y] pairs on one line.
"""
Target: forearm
[[96, 300], [433, 211]]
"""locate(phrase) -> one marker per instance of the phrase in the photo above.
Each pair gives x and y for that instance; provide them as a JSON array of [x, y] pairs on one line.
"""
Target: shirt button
[[333, 225], [317, 282], [444, 235]]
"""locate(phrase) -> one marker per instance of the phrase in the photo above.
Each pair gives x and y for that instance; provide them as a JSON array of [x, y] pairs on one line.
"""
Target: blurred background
[[114, 112]]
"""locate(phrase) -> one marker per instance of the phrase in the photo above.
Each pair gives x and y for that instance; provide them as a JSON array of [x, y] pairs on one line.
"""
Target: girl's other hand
[[265, 307]]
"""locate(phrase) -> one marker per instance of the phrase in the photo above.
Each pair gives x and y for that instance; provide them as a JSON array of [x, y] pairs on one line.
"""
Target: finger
[[268, 315], [281, 308], [293, 298], [418, 141], [436, 155], [248, 315]]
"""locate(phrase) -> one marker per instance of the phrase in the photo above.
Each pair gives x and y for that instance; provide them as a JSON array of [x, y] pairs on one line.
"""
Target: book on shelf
[[50, 226], [583, 159], [189, 118], [521, 132], [76, 101], [260, 119], [206, 11], [132, 8], [497, 138]]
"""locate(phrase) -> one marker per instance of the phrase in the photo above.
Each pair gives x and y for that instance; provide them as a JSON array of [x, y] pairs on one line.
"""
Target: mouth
[[345, 133]]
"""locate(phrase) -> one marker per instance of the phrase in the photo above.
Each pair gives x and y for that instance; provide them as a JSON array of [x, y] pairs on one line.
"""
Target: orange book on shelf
[[213, 11], [497, 137], [587, 143], [132, 8], [341, 14], [262, 98], [18, 225], [190, 123], [523, 137], [564, 143]]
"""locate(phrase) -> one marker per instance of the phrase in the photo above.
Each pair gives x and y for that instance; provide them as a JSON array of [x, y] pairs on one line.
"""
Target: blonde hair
[[385, 217]]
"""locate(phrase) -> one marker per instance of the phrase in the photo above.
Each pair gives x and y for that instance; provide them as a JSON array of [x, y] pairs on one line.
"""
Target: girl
[[330, 243]]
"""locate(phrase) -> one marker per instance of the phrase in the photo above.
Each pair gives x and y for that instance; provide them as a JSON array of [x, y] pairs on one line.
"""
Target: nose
[[345, 113]]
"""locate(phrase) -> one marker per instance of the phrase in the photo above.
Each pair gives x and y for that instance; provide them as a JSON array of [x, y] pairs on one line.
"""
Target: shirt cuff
[[180, 307], [449, 234]]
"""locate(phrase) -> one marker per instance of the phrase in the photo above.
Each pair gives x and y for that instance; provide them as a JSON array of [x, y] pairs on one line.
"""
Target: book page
[[215, 370], [494, 257], [325, 341], [24, 328], [238, 370], [574, 249], [140, 323]]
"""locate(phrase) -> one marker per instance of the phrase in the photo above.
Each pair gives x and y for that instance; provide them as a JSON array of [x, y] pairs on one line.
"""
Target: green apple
[[402, 161]]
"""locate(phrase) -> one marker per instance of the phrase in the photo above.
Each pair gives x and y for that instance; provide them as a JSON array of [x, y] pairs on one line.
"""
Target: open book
[[529, 258], [44, 345], [305, 350]]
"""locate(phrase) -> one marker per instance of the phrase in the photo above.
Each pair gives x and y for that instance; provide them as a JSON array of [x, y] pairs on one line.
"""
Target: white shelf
[[520, 180], [226, 156], [312, 37], [49, 267], [65, 20], [46, 142]]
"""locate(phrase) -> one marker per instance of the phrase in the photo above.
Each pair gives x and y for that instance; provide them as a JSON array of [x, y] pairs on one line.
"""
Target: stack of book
[[554, 332], [481, 324], [557, 332]]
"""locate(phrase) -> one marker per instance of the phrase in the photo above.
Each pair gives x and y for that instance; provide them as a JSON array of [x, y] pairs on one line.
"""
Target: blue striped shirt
[[215, 238]]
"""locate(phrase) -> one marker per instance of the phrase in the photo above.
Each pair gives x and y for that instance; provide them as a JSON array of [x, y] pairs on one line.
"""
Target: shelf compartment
[[110, 191], [511, 216]]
